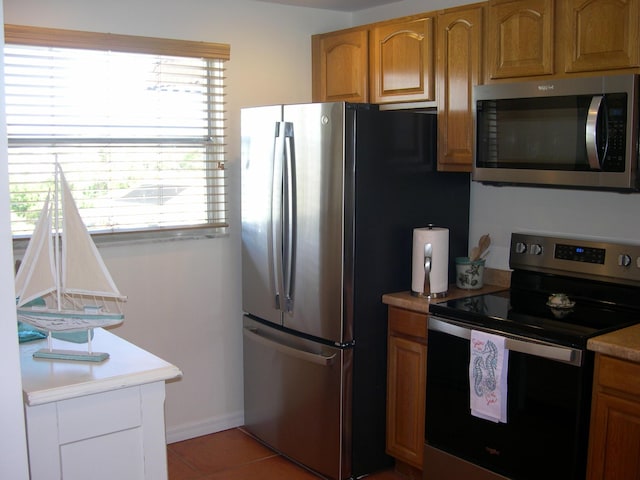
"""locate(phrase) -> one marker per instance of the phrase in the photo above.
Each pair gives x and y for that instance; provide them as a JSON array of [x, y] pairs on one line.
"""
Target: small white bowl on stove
[[560, 300]]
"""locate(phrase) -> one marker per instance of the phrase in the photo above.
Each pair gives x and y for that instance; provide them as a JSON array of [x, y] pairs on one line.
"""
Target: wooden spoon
[[483, 245]]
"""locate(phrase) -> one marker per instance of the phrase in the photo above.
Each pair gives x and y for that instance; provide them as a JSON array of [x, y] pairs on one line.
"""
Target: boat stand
[[78, 355]]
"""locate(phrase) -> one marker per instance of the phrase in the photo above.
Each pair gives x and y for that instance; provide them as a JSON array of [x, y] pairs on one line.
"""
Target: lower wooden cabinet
[[406, 382], [614, 440]]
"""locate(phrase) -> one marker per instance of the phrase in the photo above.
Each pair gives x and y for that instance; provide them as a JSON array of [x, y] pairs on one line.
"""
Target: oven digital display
[[580, 254]]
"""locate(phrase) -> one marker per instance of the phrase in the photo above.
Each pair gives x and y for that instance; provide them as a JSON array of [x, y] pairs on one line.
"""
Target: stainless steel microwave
[[571, 133]]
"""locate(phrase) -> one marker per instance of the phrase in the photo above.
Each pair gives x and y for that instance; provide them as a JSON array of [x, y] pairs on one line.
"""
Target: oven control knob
[[535, 249], [624, 260], [521, 247]]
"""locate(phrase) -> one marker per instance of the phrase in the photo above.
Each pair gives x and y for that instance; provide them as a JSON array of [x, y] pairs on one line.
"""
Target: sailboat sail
[[36, 276], [63, 272], [83, 270]]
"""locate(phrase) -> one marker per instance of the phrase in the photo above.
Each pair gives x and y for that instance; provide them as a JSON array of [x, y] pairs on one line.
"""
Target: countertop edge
[[623, 344], [421, 304], [41, 397], [45, 381]]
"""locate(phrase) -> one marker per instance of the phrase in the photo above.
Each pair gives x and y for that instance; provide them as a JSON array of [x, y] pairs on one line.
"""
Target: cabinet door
[[406, 383], [520, 38], [458, 69], [614, 437], [340, 66], [79, 438], [601, 34], [402, 61]]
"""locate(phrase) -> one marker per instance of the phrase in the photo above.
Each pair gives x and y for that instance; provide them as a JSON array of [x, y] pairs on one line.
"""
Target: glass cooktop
[[526, 313]]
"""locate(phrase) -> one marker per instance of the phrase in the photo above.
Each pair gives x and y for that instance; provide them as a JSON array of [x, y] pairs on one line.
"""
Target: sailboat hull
[[67, 320]]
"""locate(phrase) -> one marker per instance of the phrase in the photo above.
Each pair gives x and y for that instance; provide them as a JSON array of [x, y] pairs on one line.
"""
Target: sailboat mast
[[56, 236]]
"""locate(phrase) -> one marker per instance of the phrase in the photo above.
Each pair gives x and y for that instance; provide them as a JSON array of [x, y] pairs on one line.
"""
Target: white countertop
[[45, 381]]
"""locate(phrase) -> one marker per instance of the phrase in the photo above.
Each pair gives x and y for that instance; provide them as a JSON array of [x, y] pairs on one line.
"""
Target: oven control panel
[[600, 260], [579, 253]]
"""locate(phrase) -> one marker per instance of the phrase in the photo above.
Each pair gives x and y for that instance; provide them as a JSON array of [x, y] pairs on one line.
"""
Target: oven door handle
[[514, 343]]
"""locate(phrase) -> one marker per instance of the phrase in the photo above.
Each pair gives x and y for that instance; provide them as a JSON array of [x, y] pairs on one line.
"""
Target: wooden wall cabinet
[[529, 38], [386, 62], [401, 59], [406, 384], [340, 66], [520, 38], [614, 440], [601, 35], [458, 69]]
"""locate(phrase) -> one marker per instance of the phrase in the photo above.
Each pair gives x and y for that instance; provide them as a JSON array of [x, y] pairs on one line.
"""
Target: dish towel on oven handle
[[488, 367]]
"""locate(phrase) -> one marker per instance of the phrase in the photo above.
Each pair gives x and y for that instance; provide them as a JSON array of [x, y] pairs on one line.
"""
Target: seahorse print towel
[[488, 376]]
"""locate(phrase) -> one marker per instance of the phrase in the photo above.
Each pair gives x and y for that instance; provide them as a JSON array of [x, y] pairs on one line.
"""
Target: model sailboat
[[62, 284]]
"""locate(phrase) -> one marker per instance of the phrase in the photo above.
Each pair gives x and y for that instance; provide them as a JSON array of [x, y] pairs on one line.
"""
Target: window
[[137, 124]]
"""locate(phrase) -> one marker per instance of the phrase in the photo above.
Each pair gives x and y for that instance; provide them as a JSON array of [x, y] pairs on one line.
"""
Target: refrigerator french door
[[292, 225], [331, 193]]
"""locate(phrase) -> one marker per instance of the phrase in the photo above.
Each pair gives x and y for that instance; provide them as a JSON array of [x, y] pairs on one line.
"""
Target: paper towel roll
[[438, 238]]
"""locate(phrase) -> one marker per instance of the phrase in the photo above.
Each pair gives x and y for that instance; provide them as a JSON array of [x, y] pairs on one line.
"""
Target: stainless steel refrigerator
[[331, 193]]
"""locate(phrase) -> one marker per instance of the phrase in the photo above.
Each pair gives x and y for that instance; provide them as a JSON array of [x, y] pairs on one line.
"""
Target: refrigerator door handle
[[289, 215], [315, 358], [276, 215]]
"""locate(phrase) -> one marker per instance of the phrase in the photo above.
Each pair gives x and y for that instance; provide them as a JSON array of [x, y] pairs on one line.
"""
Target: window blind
[[139, 135]]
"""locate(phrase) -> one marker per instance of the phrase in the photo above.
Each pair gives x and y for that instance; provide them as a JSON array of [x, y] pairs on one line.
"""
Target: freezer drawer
[[294, 397]]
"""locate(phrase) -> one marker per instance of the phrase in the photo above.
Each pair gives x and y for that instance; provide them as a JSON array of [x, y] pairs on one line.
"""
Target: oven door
[[548, 402]]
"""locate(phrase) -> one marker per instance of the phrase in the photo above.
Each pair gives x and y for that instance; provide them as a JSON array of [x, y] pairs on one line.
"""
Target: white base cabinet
[[108, 425]]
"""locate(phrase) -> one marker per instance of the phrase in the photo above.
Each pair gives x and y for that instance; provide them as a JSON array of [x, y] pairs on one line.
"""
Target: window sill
[[139, 237]]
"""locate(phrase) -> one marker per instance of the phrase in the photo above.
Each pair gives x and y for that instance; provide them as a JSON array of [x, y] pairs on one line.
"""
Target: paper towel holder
[[428, 263]]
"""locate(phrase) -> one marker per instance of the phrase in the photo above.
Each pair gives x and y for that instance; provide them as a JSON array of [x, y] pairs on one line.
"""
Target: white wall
[[402, 8], [583, 214]]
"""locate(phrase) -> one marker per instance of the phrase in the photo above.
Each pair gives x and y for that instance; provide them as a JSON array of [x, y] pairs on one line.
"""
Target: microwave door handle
[[591, 129]]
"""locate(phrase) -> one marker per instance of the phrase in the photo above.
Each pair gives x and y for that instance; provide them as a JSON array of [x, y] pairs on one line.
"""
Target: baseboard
[[211, 425]]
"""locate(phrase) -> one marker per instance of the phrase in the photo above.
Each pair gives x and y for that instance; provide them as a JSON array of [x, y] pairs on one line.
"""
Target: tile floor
[[235, 455]]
